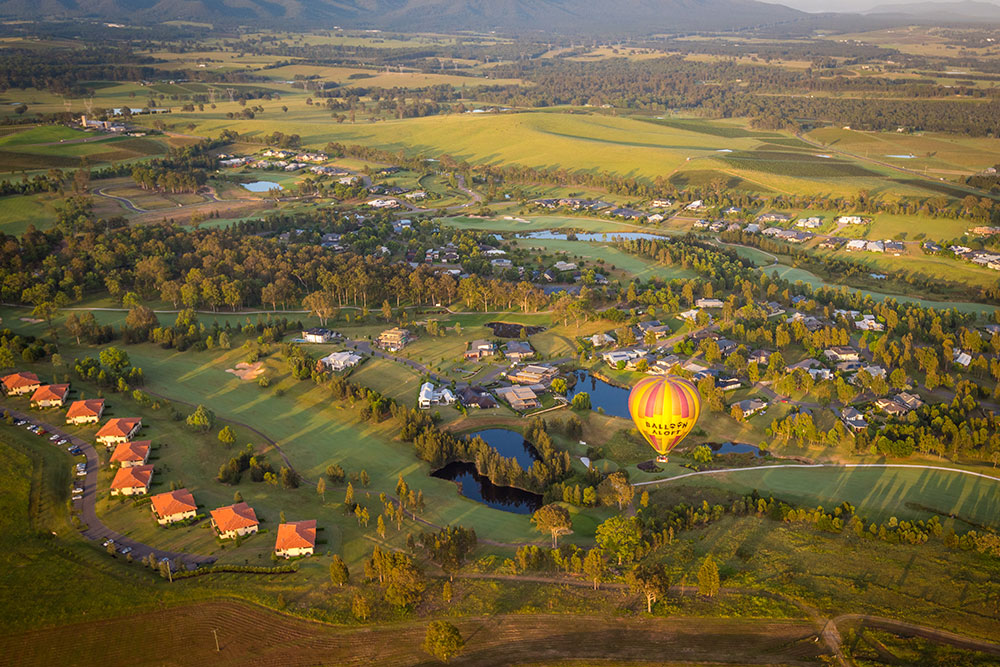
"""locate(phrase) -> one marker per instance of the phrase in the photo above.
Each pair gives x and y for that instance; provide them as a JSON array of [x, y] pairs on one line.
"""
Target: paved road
[[94, 528]]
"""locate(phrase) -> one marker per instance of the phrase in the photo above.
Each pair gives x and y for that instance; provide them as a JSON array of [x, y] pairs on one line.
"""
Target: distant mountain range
[[562, 16], [963, 11]]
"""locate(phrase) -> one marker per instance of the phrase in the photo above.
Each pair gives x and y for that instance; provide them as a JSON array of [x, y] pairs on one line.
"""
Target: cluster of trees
[[402, 580], [111, 369], [231, 472], [15, 348], [162, 179], [440, 448]]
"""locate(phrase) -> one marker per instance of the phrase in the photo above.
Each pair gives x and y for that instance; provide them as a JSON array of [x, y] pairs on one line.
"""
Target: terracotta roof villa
[[132, 481], [50, 395], [235, 520], [82, 412], [20, 383], [173, 506], [131, 453], [118, 430], [296, 538]]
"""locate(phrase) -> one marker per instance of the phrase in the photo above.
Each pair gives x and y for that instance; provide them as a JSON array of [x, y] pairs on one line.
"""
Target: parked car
[[62, 441], [107, 542], [54, 437], [126, 550]]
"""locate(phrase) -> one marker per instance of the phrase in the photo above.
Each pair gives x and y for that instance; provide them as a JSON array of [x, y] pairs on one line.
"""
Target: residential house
[[296, 538], [910, 401], [760, 357], [696, 205], [173, 506], [131, 453], [654, 327], [518, 350], [818, 374], [771, 218], [601, 339], [85, 412], [869, 323], [502, 263], [476, 397], [875, 246], [481, 348], [831, 242], [118, 430], [614, 357], [810, 223], [961, 358], [891, 407], [235, 521], [318, 335], [853, 419], [842, 353], [852, 220], [709, 303], [752, 228], [690, 315], [132, 481], [728, 383], [564, 266], [665, 366], [848, 367], [895, 247], [533, 374], [751, 406], [520, 398], [661, 203], [657, 217], [50, 396], [394, 339], [429, 396], [930, 246], [856, 245], [19, 383], [341, 361]]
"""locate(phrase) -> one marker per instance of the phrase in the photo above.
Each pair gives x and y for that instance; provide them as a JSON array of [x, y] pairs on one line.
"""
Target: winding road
[[94, 528]]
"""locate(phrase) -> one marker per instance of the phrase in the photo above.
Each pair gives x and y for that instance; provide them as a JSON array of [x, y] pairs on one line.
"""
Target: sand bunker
[[32, 320], [245, 371]]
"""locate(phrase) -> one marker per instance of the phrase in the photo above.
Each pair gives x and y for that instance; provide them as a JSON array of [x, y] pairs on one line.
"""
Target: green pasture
[[18, 212], [939, 153], [630, 265], [879, 493]]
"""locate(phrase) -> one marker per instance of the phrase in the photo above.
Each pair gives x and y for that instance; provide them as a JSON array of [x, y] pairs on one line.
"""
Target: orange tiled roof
[[136, 450], [119, 426], [296, 535], [91, 407], [173, 502], [129, 478], [50, 392], [234, 517], [19, 379]]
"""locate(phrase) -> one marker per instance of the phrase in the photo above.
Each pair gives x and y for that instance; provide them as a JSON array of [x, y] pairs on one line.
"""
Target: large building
[[85, 412], [173, 506], [118, 430], [50, 396], [19, 383], [394, 339], [234, 521], [296, 538], [131, 453], [132, 481]]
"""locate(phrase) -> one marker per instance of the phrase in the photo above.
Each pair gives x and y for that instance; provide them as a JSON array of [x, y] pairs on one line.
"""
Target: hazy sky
[[845, 5]]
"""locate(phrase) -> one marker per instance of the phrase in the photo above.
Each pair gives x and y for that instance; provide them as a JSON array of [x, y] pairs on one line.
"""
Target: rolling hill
[[562, 16]]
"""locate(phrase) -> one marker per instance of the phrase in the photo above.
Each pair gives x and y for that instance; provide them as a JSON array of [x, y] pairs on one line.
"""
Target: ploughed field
[[249, 635]]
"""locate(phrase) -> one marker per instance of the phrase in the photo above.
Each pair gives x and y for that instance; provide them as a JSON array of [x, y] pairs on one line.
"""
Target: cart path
[[839, 466]]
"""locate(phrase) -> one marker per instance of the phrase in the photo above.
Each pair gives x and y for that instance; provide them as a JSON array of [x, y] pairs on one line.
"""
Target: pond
[[603, 237], [734, 448], [509, 444], [472, 485], [476, 487], [613, 399], [262, 186]]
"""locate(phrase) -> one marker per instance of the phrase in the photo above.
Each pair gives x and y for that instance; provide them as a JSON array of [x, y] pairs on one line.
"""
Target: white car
[[81, 473], [54, 437]]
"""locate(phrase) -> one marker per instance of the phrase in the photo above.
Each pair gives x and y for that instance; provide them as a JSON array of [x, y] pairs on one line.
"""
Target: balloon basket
[[661, 459]]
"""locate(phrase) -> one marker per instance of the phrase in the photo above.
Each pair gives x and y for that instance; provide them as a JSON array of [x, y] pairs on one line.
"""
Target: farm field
[[18, 212]]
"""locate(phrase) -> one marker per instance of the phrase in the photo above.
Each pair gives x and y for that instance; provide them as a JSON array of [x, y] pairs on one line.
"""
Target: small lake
[[734, 448], [603, 237], [262, 186], [613, 399], [476, 487], [509, 444]]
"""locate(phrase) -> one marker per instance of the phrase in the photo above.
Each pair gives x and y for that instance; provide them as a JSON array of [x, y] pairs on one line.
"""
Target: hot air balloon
[[664, 410]]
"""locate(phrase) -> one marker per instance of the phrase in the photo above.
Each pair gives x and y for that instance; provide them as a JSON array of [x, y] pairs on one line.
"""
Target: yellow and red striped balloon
[[664, 410]]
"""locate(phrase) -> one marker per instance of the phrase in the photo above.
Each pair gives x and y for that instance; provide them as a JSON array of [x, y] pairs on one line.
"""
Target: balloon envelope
[[664, 410]]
